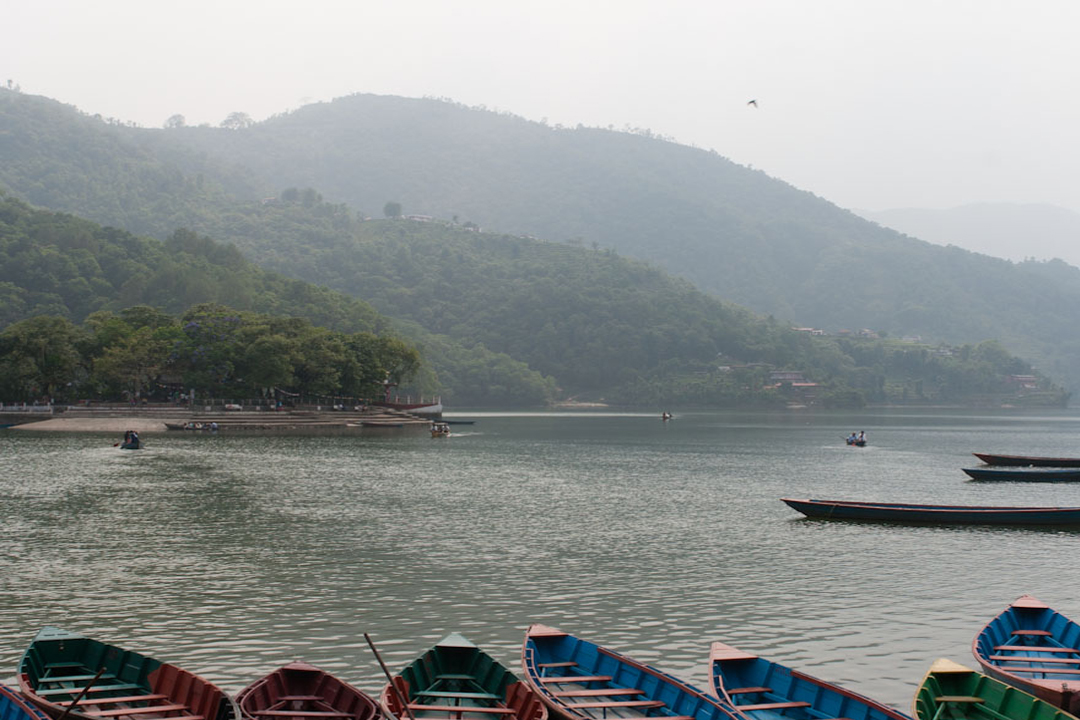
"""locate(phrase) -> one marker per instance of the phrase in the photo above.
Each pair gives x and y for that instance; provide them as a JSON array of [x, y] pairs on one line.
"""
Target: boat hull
[[1029, 474], [59, 665], [951, 690], [759, 689], [936, 514], [14, 707], [1035, 648], [579, 680], [299, 690], [1026, 460]]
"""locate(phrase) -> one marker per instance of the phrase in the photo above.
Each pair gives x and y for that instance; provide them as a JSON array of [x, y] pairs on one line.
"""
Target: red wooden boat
[[1026, 460], [299, 691]]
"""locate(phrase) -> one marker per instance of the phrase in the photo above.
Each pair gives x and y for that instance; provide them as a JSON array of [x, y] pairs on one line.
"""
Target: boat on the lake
[[440, 429], [936, 514], [1026, 474], [456, 680], [67, 674], [299, 691], [579, 680], [760, 689], [15, 707], [1024, 460], [1033, 647], [951, 691]]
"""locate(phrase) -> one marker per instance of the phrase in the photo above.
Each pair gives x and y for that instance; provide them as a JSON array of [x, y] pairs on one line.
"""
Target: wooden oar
[[75, 702], [390, 679]]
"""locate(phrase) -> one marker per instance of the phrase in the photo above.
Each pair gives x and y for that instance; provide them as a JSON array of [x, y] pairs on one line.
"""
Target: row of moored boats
[[1029, 657]]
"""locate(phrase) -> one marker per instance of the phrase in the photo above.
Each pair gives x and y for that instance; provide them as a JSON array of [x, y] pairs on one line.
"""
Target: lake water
[[231, 556]]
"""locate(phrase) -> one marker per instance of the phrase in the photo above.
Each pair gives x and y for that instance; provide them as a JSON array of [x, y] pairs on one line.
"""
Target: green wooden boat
[[68, 675], [456, 680], [951, 691]]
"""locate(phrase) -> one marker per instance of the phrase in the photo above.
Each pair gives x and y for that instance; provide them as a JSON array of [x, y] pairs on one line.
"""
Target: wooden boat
[[856, 443], [299, 691], [1027, 474], [456, 680], [579, 680], [760, 689], [936, 514], [1024, 460], [440, 429], [951, 691], [1034, 648], [66, 674], [14, 707]]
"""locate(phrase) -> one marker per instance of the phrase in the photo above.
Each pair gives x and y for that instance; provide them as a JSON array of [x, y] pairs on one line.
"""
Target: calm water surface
[[233, 555]]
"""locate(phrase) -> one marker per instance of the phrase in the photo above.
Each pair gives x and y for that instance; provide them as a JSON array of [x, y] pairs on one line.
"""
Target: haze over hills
[[1005, 230], [736, 233]]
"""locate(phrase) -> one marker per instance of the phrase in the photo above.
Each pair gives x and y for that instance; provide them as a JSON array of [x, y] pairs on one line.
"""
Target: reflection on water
[[231, 556]]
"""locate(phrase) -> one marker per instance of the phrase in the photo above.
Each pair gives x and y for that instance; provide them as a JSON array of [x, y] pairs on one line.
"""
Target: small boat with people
[[68, 675], [935, 514], [760, 689], [440, 429], [1033, 647], [456, 680], [1028, 460], [579, 680], [951, 691], [1026, 474], [131, 441], [858, 439], [299, 691]]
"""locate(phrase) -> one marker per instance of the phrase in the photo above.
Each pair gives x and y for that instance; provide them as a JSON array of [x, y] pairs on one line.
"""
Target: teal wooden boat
[[579, 680], [951, 691], [456, 680], [759, 689], [72, 676]]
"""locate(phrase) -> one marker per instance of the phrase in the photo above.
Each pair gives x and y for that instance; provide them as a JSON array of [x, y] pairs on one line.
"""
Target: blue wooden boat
[[760, 689], [936, 514], [579, 680], [1028, 474], [14, 707], [1035, 648], [1027, 460]]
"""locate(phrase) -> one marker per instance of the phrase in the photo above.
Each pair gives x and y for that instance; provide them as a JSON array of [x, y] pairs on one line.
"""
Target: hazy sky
[[871, 105]]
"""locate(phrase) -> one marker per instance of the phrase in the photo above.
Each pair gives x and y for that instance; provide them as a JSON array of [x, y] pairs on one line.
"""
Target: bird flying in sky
[[752, 102]]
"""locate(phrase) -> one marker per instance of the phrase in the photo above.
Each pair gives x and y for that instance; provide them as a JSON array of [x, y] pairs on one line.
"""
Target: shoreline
[[118, 425]]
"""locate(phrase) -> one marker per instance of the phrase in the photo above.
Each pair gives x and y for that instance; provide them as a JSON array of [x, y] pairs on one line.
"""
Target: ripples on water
[[233, 555]]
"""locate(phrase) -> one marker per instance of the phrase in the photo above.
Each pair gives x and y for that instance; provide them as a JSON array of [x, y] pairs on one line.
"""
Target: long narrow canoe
[[299, 691], [951, 691], [66, 673], [764, 690], [579, 680], [14, 707], [1022, 460], [456, 680], [1016, 474], [936, 514], [1035, 648]]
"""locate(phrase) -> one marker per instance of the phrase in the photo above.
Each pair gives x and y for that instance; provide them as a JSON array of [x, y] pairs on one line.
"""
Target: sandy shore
[[117, 425]]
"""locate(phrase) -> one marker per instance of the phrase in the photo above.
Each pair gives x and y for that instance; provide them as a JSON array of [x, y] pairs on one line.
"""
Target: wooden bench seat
[[121, 699], [1036, 648], [774, 706], [1043, 670], [743, 691], [619, 704], [1022, 659], [959, 699], [455, 694], [452, 676], [75, 678], [461, 709], [567, 663], [1042, 633], [302, 713], [93, 689], [299, 698], [598, 692], [149, 710], [575, 679]]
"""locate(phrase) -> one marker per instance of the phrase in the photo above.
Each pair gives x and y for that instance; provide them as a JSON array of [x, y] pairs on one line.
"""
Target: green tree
[[392, 209]]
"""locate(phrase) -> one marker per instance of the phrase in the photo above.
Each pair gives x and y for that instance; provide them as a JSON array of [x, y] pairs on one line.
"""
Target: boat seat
[[1044, 670], [452, 694], [451, 676], [1043, 633], [1036, 648], [75, 678], [93, 689], [138, 710], [619, 704], [598, 692], [301, 713], [774, 706], [959, 699], [57, 665], [298, 698], [575, 679], [742, 691], [1022, 659], [462, 709], [567, 663], [121, 699]]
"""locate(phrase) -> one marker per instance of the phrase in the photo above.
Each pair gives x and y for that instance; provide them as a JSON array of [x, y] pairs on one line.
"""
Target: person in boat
[[665, 416], [127, 437], [862, 437], [852, 438]]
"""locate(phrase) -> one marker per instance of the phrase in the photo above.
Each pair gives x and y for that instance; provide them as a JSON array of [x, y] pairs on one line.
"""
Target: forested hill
[[734, 232]]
